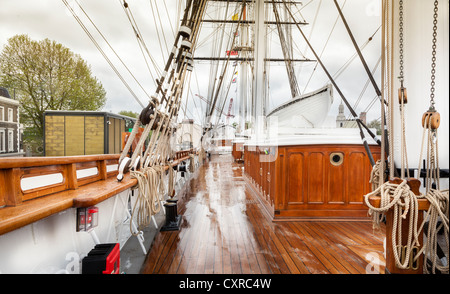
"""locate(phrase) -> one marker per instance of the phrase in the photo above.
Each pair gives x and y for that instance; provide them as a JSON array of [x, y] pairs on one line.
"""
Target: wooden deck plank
[[366, 231], [338, 249], [267, 254], [164, 253], [185, 238], [258, 253], [319, 251], [276, 262], [224, 230], [153, 256], [190, 256], [312, 264]]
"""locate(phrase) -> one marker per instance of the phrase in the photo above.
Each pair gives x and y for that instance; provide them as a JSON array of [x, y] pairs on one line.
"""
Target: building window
[[2, 113], [10, 115], [2, 140], [10, 140]]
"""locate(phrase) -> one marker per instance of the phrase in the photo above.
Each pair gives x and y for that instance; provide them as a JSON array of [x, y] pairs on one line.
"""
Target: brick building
[[10, 136]]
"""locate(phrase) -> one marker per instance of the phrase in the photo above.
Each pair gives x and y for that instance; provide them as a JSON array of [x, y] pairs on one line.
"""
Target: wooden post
[[12, 191], [416, 268], [71, 173], [102, 169]]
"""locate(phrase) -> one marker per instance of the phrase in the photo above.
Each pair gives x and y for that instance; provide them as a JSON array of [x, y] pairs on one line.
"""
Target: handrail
[[19, 162], [14, 170], [63, 170], [18, 209]]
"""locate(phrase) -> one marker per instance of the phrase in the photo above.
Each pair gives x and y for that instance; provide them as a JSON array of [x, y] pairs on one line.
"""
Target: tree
[[47, 76], [375, 124], [130, 114]]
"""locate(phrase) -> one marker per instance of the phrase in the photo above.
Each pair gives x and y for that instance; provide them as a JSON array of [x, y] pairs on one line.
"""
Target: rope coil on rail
[[403, 201], [148, 202]]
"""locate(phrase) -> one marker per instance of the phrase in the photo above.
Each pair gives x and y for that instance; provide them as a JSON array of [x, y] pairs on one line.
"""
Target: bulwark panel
[[296, 188], [357, 177], [316, 178], [336, 179]]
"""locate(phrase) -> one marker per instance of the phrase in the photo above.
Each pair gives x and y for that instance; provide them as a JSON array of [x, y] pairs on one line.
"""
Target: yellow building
[[69, 133]]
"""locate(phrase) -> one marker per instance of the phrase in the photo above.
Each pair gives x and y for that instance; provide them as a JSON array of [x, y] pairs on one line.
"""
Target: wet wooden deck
[[224, 231]]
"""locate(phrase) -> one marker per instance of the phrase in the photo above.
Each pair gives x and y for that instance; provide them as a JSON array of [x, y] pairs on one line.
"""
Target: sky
[[51, 19]]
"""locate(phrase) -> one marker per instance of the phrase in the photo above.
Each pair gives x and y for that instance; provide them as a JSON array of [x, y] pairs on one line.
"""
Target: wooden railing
[[23, 179], [37, 187], [183, 153]]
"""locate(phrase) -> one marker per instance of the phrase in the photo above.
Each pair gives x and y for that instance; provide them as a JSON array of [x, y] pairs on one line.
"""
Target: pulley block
[[402, 95], [431, 119]]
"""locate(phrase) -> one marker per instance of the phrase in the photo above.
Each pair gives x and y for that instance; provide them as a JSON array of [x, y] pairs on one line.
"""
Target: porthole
[[336, 158]]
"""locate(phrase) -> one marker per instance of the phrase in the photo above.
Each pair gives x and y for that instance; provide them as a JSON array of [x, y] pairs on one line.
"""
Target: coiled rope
[[148, 202], [402, 200], [438, 209]]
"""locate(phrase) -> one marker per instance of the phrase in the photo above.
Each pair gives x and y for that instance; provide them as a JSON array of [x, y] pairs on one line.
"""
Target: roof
[[83, 113], [6, 98], [4, 92]]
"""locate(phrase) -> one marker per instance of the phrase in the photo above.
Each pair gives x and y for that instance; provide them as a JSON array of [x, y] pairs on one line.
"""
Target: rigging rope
[[358, 120], [396, 194], [101, 51], [159, 117]]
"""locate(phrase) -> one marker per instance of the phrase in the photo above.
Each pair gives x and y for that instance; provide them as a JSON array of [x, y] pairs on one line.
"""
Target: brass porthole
[[336, 158]]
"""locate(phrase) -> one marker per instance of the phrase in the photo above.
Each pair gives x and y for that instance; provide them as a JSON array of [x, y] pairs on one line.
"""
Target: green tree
[[130, 114], [47, 76], [375, 124]]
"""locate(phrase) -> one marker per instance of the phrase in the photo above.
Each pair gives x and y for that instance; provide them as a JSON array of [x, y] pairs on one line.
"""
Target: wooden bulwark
[[20, 207], [225, 231], [13, 170], [310, 181]]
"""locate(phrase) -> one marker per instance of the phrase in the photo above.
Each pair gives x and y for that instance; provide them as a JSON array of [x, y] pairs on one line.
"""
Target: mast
[[253, 59], [286, 46], [243, 73], [259, 97]]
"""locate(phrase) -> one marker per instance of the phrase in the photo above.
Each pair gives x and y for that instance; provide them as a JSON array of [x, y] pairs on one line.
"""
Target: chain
[[433, 59], [401, 78]]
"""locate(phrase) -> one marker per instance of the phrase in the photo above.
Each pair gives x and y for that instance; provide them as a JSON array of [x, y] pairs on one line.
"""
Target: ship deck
[[225, 231]]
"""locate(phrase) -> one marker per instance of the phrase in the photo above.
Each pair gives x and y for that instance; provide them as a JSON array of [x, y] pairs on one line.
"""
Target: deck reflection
[[224, 232]]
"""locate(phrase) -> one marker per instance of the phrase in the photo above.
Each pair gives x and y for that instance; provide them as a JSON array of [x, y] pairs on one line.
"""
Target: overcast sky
[[51, 19]]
